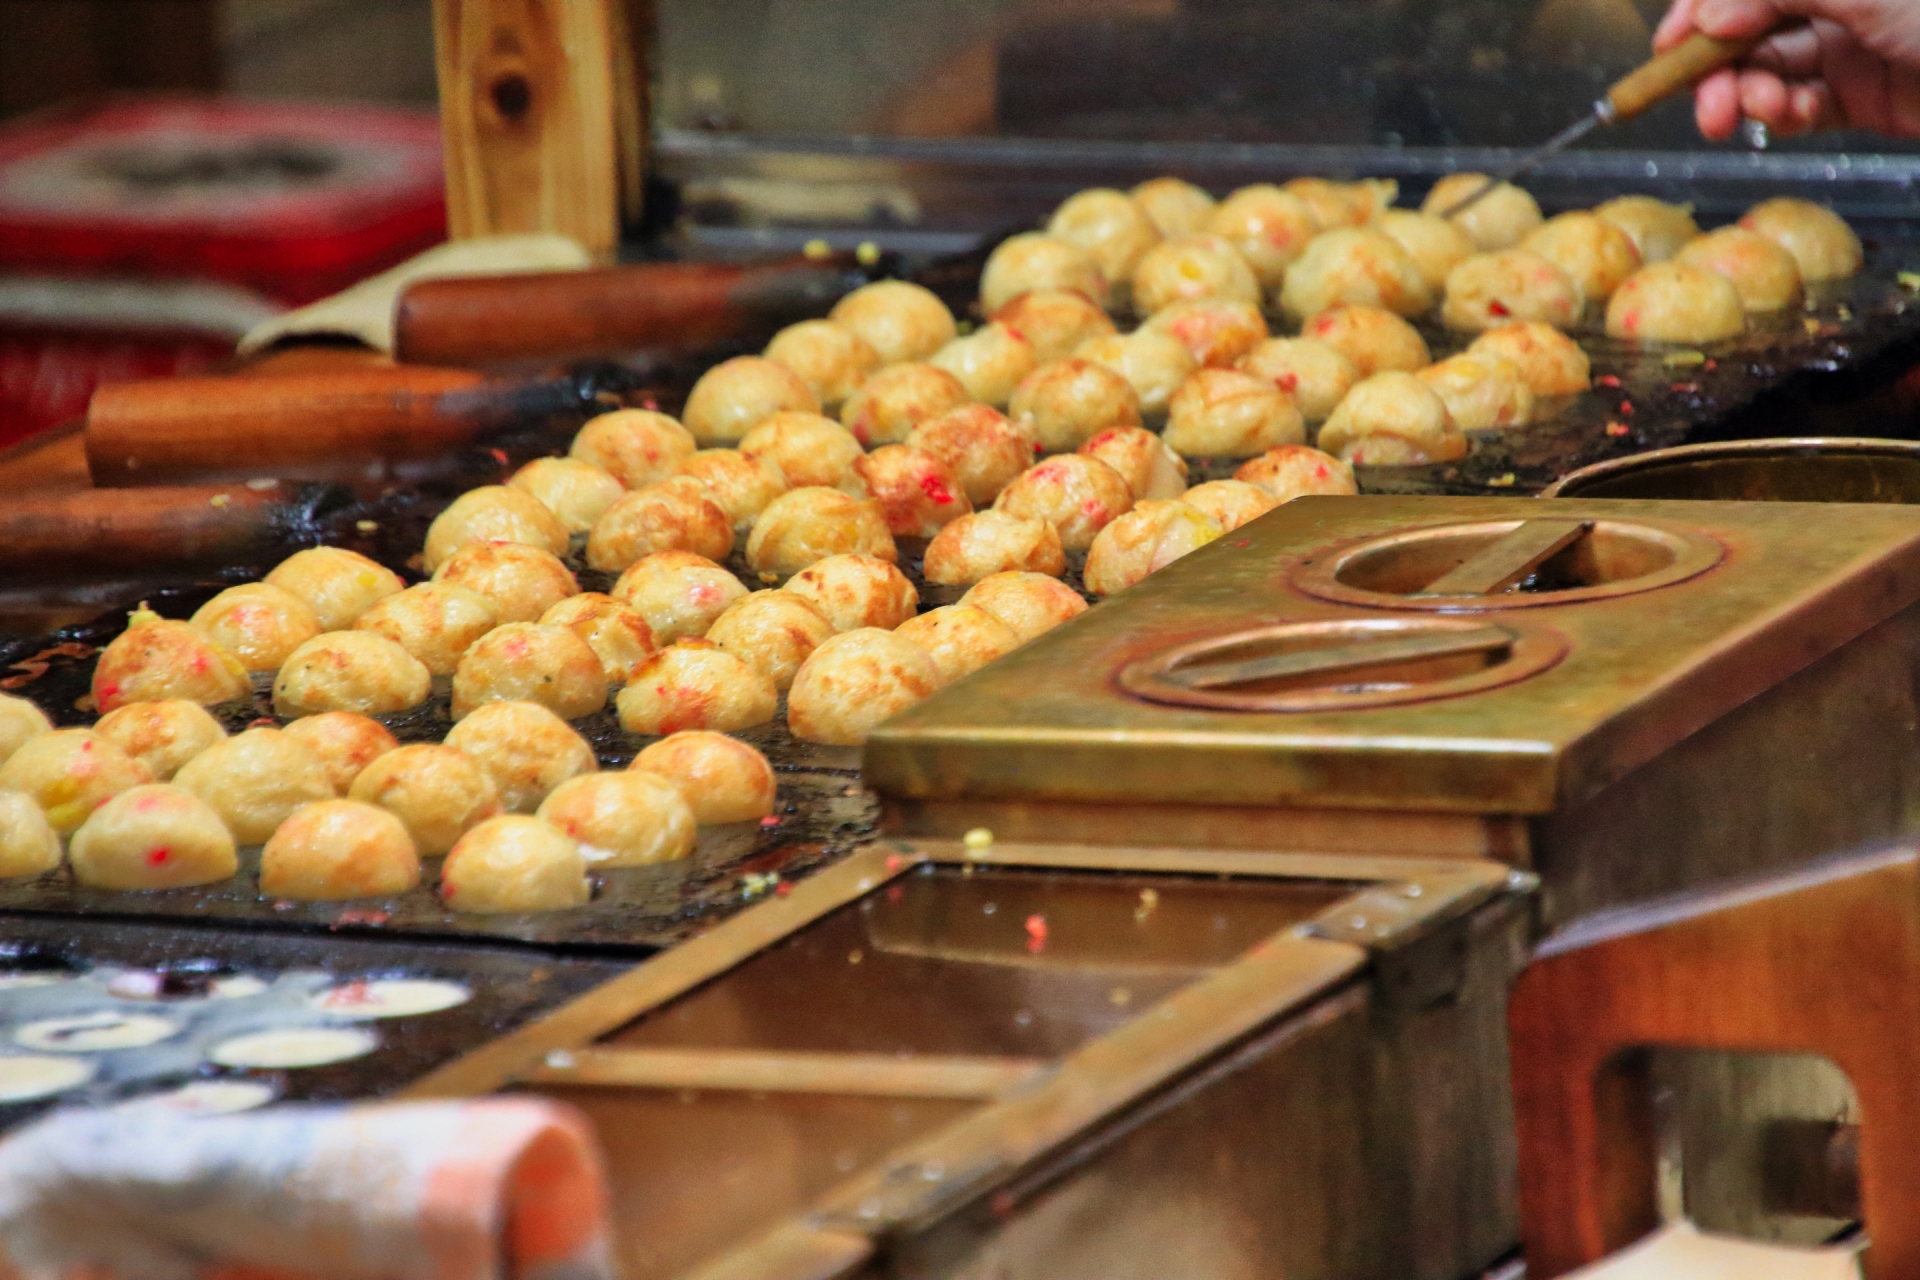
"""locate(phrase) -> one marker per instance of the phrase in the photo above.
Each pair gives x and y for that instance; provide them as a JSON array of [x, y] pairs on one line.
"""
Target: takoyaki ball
[[1498, 220], [1108, 225], [350, 671], [856, 680], [1355, 267], [1062, 404], [695, 684], [153, 837], [1077, 495], [1676, 302], [854, 591], [258, 624], [337, 584], [890, 404], [29, 846], [1765, 275], [1216, 332], [1492, 289], [1392, 419], [1032, 604], [515, 865], [810, 451], [722, 778], [1229, 503], [1146, 540], [345, 741], [772, 632], [737, 395], [742, 484], [1481, 392], [255, 779], [637, 447], [674, 515], [1223, 413], [989, 362], [20, 721], [978, 546], [1820, 241], [575, 491], [1035, 260], [980, 445], [805, 526], [433, 621], [528, 662], [524, 749], [437, 792], [618, 635], [1589, 250], [960, 638], [1551, 363], [917, 492], [1153, 363], [70, 773], [1373, 339], [1201, 266], [493, 513], [1054, 322], [155, 659], [1657, 228], [161, 735], [337, 850], [830, 358], [678, 593], [622, 819], [1144, 461], [1435, 245], [1314, 373], [1295, 471], [1343, 204], [1270, 228], [1175, 207], [900, 320]]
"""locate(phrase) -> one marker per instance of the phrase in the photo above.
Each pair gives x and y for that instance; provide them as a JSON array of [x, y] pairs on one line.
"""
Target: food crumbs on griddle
[[1711, 364], [1119, 997], [817, 250], [855, 956], [782, 889], [1812, 326], [866, 253], [1149, 899], [978, 842], [1243, 544], [1606, 380], [499, 456], [1684, 359], [1617, 428], [769, 822], [1844, 311], [354, 915], [1504, 480], [219, 501], [367, 526], [1685, 388], [1036, 934]]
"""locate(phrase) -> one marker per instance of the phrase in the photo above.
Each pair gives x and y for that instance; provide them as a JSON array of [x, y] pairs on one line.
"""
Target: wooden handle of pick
[[1675, 71]]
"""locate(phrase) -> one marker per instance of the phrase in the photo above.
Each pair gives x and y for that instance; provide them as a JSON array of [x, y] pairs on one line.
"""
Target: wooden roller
[[92, 533]]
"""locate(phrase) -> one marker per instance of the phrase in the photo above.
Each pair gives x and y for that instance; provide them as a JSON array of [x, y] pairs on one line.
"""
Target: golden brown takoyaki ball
[[1229, 503], [1175, 207], [433, 621], [1676, 302], [737, 395], [350, 671], [1032, 604], [520, 582], [1435, 245], [805, 526], [574, 490], [637, 447], [1373, 339], [524, 749], [1150, 468], [618, 635], [674, 515], [989, 362], [1551, 363], [1268, 226], [258, 624], [960, 638], [1344, 204], [528, 662], [161, 735], [1657, 228], [1498, 220], [1355, 267], [336, 850], [1315, 374], [1109, 225], [337, 584], [856, 680], [890, 404], [1589, 250], [492, 513], [988, 542], [1294, 471], [1201, 266], [20, 721], [1492, 289], [830, 358], [1075, 494], [1063, 403], [854, 591], [742, 484], [1222, 413], [1145, 540], [155, 659], [254, 779], [1153, 363], [438, 793], [29, 846], [917, 492], [722, 778], [1034, 260], [810, 451], [345, 741], [981, 446], [1765, 275], [153, 837], [1392, 419], [1216, 332], [70, 773], [695, 684], [1820, 241], [1481, 392], [515, 865], [772, 632], [678, 593], [900, 320], [622, 819], [1054, 322]]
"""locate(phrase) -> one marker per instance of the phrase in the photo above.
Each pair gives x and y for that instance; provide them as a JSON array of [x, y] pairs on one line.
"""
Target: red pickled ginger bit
[[499, 456], [1036, 933], [1606, 380], [1617, 428]]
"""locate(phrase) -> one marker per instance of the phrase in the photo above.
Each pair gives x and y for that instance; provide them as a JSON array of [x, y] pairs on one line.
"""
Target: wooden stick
[[869, 1074], [62, 535]]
